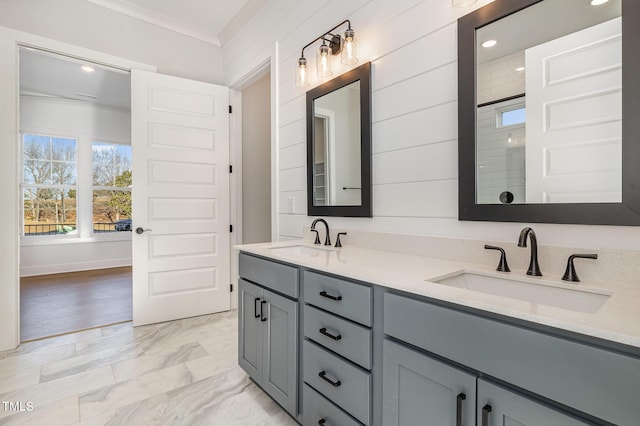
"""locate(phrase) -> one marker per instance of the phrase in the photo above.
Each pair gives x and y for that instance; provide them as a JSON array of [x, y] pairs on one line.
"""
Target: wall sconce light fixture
[[332, 44]]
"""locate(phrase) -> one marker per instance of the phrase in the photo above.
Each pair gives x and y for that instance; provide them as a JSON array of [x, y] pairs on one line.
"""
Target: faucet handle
[[502, 266], [338, 243], [570, 273], [317, 241]]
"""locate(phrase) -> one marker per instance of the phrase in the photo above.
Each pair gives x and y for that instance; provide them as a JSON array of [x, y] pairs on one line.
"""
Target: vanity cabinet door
[[280, 349], [499, 406], [419, 390], [250, 329], [267, 347]]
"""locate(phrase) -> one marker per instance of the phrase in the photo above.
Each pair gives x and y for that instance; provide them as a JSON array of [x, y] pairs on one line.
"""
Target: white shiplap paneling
[[413, 48]]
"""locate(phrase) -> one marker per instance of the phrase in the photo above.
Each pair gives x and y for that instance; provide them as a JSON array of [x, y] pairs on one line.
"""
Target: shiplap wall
[[412, 45]]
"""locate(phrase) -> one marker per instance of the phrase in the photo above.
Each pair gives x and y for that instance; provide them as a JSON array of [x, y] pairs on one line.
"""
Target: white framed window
[[58, 202], [111, 190], [49, 185]]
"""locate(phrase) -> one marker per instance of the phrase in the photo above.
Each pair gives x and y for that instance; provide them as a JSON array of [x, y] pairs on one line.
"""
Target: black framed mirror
[[339, 145], [547, 159]]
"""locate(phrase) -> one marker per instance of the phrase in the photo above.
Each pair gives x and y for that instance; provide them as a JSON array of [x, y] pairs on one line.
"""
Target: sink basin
[[301, 250], [540, 293]]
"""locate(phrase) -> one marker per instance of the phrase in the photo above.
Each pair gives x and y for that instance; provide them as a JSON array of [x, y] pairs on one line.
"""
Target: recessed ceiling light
[[489, 43], [598, 2], [519, 69], [87, 68]]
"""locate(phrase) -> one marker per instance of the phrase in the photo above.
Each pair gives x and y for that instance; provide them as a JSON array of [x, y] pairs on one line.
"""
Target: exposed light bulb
[[323, 61], [349, 48], [302, 74]]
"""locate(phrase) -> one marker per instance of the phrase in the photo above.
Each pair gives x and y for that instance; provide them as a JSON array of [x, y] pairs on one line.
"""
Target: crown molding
[[151, 17]]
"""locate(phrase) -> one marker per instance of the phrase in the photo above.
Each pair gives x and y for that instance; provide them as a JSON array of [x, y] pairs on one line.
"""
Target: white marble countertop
[[618, 320]]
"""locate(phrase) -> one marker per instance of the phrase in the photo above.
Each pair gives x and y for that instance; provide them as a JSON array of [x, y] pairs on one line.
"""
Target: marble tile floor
[[180, 372]]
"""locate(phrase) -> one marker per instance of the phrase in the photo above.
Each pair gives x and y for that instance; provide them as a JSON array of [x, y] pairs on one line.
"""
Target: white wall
[[413, 48], [91, 26], [85, 122]]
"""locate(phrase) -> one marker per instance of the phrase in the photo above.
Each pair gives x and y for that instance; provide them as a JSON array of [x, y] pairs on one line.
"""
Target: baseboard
[[73, 267]]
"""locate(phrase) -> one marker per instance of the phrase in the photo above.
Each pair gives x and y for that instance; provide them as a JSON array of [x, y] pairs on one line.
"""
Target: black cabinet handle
[[485, 415], [323, 376], [255, 308], [461, 397], [321, 422], [329, 335], [328, 296], [262, 317]]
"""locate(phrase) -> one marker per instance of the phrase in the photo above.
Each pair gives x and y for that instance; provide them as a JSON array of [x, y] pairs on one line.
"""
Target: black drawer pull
[[255, 308], [461, 397], [262, 317], [485, 415], [329, 335], [328, 296], [323, 376], [321, 422]]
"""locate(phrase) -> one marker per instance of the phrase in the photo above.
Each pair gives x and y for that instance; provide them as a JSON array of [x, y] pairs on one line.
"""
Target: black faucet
[[327, 239], [534, 268]]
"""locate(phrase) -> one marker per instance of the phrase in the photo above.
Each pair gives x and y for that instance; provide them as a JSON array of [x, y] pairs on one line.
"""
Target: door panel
[[511, 409], [250, 333], [420, 390], [180, 198], [574, 115], [280, 350]]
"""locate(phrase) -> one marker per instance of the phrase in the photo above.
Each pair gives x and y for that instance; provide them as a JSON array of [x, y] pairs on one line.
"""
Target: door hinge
[[231, 288], [230, 109], [230, 168], [230, 228]]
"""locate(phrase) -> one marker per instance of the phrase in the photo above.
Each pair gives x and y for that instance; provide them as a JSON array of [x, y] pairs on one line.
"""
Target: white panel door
[[574, 117], [180, 144]]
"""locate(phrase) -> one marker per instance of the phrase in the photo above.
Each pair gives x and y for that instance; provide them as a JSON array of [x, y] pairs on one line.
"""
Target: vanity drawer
[[341, 297], [350, 340], [316, 408], [601, 383], [276, 276], [351, 386]]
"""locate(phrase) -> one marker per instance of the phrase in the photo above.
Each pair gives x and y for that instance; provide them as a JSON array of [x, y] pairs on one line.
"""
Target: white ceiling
[[49, 75], [212, 21], [540, 23]]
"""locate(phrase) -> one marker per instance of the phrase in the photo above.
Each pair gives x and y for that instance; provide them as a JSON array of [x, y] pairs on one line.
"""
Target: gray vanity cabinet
[[268, 338], [598, 385], [337, 350], [498, 406], [419, 390]]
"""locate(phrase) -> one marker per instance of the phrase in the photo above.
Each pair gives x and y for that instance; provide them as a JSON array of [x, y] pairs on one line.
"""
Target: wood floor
[[61, 303]]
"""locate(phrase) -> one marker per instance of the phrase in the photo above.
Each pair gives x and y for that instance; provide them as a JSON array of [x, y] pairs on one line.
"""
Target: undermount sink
[[301, 250], [542, 293]]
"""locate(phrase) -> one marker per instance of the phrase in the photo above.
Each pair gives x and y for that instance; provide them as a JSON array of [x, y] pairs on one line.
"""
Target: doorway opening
[[256, 161], [75, 189]]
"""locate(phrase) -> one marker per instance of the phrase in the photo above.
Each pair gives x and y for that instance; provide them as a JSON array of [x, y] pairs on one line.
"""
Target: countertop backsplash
[[612, 266]]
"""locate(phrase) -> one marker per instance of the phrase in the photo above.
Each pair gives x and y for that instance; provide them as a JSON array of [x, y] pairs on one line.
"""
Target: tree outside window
[[112, 181], [49, 185]]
